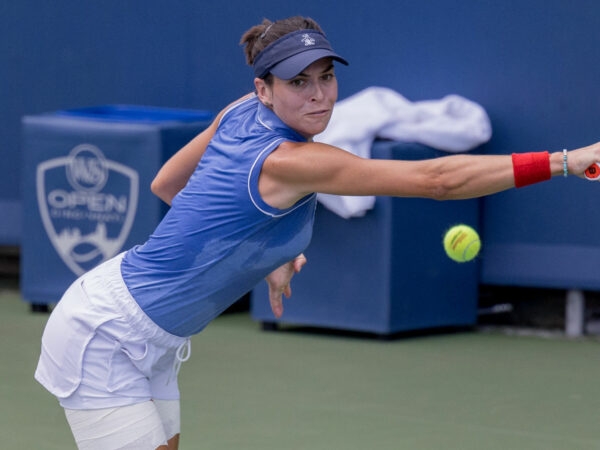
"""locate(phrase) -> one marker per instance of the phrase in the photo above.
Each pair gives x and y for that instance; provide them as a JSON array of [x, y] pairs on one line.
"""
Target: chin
[[310, 135], [319, 129], [311, 130]]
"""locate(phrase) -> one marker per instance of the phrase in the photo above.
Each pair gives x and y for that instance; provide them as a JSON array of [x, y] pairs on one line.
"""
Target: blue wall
[[533, 64]]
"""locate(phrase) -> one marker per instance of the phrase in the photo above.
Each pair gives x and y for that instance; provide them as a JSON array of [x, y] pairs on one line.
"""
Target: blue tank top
[[219, 238]]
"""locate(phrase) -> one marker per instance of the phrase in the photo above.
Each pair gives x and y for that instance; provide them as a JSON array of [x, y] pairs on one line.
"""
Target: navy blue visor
[[291, 54]]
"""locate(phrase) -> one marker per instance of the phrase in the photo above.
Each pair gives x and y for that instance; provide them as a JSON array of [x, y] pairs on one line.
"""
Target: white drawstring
[[183, 353]]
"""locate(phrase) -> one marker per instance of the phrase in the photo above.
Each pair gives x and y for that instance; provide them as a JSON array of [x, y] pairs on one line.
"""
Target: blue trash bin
[[86, 192]]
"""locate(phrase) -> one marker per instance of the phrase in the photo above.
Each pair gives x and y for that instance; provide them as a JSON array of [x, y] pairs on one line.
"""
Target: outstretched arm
[[295, 170]]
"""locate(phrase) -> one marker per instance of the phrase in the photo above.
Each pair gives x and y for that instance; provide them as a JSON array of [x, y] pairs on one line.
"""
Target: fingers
[[276, 299], [287, 291], [299, 262], [277, 288], [276, 304]]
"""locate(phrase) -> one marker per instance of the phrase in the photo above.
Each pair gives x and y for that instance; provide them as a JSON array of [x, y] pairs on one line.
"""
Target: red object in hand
[[593, 172]]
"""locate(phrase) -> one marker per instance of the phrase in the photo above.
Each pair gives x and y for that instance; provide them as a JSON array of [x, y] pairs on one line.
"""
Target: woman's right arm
[[297, 169], [176, 172]]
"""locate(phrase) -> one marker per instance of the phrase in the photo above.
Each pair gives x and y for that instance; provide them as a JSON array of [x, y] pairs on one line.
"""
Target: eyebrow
[[330, 67]]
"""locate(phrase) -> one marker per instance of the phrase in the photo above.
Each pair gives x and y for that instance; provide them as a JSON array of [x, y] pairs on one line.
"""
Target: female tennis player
[[242, 196]]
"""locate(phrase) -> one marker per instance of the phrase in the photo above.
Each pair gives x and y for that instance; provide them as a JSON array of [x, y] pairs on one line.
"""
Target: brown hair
[[259, 36]]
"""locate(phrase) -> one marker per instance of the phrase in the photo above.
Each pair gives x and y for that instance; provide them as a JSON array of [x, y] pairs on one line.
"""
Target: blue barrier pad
[[132, 113]]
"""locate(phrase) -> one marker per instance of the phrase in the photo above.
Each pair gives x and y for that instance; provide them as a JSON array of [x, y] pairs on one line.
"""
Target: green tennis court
[[248, 389]]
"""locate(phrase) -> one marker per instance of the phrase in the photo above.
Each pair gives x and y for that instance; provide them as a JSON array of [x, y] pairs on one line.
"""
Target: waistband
[[107, 278]]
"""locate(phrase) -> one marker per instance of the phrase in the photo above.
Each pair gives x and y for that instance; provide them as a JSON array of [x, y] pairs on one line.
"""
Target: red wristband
[[530, 168]]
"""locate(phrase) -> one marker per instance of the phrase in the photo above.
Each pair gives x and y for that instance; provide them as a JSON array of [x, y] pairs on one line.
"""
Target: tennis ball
[[462, 243]]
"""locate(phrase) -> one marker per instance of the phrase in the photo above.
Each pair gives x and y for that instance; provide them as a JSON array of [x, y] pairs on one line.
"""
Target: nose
[[317, 92]]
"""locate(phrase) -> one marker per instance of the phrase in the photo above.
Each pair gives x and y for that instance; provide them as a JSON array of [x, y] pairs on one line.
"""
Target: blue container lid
[[133, 113]]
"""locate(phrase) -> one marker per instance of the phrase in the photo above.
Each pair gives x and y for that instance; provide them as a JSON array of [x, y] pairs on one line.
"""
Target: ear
[[263, 91]]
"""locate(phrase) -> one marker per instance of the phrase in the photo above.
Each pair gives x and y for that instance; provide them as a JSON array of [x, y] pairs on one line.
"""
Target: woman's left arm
[[176, 172]]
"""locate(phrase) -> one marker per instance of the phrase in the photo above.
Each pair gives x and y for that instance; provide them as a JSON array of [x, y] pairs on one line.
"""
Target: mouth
[[320, 113]]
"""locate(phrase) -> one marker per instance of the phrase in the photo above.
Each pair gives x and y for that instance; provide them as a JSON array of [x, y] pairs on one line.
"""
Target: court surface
[[248, 389]]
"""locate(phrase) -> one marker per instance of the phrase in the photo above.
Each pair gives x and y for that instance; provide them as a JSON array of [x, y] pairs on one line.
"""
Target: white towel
[[452, 124]]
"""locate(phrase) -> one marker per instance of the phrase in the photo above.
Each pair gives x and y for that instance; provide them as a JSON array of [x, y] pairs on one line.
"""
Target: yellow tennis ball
[[462, 243]]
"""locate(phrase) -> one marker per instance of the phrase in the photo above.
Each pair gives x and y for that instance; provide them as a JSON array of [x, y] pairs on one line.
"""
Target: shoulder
[[248, 101], [308, 153], [303, 162]]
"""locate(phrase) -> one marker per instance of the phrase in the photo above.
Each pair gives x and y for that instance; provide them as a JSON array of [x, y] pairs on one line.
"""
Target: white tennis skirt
[[100, 350]]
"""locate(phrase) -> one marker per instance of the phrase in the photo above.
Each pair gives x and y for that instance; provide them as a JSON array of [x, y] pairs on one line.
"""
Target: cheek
[[288, 108], [294, 103], [332, 92]]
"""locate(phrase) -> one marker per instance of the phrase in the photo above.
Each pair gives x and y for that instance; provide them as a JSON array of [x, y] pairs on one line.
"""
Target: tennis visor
[[291, 54]]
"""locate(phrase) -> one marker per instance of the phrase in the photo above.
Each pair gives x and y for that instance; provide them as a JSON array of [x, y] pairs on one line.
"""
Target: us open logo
[[87, 204]]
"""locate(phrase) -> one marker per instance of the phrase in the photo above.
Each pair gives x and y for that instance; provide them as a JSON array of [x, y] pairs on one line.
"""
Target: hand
[[580, 159], [279, 283]]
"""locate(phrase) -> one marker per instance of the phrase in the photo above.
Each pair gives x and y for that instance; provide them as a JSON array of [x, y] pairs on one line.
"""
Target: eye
[[297, 82]]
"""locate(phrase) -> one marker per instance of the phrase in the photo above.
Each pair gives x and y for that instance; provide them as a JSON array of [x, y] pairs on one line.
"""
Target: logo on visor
[[307, 40]]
